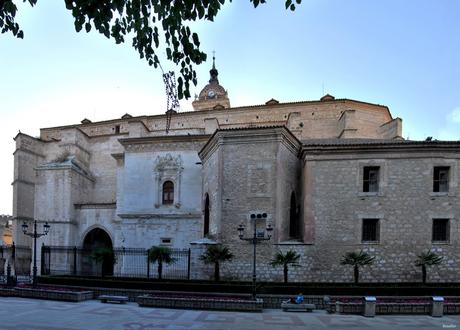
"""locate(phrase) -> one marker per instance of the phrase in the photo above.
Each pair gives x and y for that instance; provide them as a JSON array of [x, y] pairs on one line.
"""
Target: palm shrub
[[425, 259], [357, 259], [103, 255], [215, 254], [290, 258], [160, 255]]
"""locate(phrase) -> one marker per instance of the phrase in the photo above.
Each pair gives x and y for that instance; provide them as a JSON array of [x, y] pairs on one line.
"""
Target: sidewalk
[[25, 314]]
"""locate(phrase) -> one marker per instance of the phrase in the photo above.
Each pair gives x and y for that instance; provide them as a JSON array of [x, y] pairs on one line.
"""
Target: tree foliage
[[160, 255], [215, 254], [290, 258], [145, 22], [357, 259], [103, 254], [425, 259]]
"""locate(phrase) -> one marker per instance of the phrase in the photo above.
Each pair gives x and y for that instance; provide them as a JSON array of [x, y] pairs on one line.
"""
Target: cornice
[[152, 143], [411, 147], [279, 134]]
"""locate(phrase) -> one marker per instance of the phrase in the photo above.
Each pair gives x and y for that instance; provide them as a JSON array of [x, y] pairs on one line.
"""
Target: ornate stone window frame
[[168, 168]]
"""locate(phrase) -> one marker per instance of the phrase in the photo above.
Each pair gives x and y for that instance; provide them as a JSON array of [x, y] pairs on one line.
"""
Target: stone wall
[[405, 206]]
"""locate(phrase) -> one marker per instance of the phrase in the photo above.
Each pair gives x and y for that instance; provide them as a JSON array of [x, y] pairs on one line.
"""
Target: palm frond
[[161, 254], [216, 253], [360, 258], [428, 258], [290, 258]]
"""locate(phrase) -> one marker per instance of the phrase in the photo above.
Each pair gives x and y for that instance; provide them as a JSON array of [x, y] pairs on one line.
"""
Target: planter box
[[349, 308], [403, 308], [452, 308], [201, 302], [6, 292], [73, 296]]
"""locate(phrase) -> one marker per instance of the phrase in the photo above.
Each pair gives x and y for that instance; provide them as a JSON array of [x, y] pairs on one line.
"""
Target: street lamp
[[256, 237], [35, 235]]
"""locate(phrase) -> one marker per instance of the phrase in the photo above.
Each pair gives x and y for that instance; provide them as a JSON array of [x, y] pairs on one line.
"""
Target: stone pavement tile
[[25, 314]]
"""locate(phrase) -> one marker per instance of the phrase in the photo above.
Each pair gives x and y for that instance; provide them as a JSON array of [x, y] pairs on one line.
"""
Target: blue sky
[[403, 54]]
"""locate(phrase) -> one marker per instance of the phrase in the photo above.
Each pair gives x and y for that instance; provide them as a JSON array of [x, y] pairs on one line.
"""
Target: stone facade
[[300, 163], [6, 222]]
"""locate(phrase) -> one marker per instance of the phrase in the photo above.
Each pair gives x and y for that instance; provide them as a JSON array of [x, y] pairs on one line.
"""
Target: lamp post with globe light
[[35, 234], [256, 238]]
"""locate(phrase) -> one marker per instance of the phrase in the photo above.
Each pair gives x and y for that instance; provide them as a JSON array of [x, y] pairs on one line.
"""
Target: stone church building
[[331, 175]]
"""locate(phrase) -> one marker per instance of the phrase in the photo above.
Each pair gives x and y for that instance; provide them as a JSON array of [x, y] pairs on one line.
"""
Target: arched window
[[294, 226], [206, 216], [168, 192]]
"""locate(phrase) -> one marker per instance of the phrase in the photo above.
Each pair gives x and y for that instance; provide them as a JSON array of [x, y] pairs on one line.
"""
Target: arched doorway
[[206, 216], [97, 240]]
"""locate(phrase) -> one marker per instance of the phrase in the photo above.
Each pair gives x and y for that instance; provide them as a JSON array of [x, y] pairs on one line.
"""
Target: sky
[[403, 54]]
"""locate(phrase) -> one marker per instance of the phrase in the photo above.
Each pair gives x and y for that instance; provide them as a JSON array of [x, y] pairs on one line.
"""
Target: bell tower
[[213, 95]]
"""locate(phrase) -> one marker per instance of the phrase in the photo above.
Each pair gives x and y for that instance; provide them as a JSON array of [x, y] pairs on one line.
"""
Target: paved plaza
[[24, 314]]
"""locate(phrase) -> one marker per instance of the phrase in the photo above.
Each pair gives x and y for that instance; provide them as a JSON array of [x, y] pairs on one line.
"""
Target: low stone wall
[[452, 308], [274, 301], [201, 303], [399, 305], [6, 292], [72, 296], [401, 308]]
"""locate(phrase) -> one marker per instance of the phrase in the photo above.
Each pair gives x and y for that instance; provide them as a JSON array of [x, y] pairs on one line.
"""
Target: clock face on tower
[[211, 94]]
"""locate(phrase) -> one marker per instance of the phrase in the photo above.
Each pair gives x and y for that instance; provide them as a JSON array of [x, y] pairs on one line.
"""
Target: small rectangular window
[[440, 230], [166, 241], [370, 230], [371, 179], [441, 179]]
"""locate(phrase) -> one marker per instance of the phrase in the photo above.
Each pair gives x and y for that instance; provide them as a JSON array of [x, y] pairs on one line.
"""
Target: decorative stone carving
[[168, 163]]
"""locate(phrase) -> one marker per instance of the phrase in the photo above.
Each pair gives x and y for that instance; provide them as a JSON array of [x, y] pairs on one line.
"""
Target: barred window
[[441, 179], [370, 230], [440, 230], [168, 192], [371, 179]]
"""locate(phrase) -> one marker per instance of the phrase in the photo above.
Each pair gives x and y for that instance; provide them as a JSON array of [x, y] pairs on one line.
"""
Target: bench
[[113, 299], [288, 306]]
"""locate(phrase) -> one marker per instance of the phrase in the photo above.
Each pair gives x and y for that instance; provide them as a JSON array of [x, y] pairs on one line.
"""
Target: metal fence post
[[188, 264], [42, 259], [148, 265], [74, 260], [13, 251]]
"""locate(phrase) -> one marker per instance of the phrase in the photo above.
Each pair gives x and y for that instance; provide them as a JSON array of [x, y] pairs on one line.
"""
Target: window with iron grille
[[441, 179], [370, 230], [168, 192], [440, 230], [371, 179]]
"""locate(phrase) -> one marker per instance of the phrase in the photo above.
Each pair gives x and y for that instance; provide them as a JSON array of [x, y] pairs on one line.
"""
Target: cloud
[[451, 129], [454, 116]]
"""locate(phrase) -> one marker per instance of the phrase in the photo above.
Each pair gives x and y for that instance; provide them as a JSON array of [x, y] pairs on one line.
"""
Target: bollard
[[437, 307], [369, 306]]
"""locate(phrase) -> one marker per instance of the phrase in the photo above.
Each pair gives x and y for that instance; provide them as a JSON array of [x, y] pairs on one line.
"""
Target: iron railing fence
[[125, 262]]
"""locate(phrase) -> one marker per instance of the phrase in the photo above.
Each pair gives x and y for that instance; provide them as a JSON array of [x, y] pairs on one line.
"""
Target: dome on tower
[[213, 95]]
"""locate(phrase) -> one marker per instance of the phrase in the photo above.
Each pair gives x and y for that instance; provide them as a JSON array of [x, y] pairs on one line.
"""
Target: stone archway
[[95, 239]]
